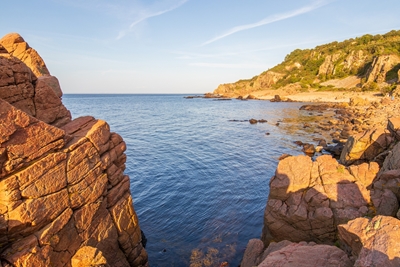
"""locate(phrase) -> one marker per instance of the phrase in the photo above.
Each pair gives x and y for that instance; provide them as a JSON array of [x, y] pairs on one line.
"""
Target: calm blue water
[[199, 181]]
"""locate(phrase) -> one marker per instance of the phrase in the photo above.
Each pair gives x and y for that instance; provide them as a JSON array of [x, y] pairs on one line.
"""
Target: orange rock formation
[[64, 197]]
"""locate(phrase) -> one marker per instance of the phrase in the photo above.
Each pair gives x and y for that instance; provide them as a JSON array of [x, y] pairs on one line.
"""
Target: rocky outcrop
[[32, 90], [380, 66], [309, 199], [244, 87], [17, 47], [267, 79], [328, 67], [65, 200], [372, 242]]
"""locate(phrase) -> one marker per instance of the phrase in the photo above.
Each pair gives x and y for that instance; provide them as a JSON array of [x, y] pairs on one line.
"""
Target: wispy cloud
[[228, 65], [149, 13], [270, 19]]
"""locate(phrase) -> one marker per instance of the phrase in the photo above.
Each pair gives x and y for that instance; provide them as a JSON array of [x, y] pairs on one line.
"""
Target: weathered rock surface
[[373, 242], [385, 191], [380, 66], [288, 254], [26, 84], [365, 146], [17, 47], [309, 199], [64, 198]]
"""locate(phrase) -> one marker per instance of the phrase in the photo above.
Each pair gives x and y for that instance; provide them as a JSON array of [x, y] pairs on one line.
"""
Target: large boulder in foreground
[[309, 199], [288, 254], [373, 242]]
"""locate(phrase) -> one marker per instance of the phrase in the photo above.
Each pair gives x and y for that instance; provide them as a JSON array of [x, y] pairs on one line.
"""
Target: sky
[[181, 46]]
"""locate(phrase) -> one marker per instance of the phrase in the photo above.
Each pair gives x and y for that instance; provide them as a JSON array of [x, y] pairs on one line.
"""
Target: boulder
[[365, 146], [394, 127], [309, 199], [385, 192], [304, 254], [89, 257], [358, 101], [373, 242]]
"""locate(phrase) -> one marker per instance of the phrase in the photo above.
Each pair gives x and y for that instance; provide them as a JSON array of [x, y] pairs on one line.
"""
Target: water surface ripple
[[199, 181]]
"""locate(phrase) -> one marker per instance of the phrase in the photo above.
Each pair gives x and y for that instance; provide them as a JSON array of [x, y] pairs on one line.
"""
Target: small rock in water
[[308, 149], [299, 143], [253, 121], [267, 133]]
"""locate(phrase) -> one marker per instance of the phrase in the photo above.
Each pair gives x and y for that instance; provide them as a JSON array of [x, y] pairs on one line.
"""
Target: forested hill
[[369, 62]]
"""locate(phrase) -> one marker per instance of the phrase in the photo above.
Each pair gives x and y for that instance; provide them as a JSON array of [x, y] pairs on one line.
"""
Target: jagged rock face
[[355, 60], [64, 197], [328, 67], [385, 193], [374, 242], [309, 199], [39, 97], [266, 80], [380, 66], [17, 47], [64, 189]]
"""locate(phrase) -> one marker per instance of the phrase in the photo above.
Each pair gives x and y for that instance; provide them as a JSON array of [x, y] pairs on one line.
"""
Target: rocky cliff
[[372, 61], [65, 200]]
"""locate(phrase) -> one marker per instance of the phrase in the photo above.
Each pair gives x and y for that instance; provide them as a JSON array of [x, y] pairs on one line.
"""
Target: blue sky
[[181, 46]]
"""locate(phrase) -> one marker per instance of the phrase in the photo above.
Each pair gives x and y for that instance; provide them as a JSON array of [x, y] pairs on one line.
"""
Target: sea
[[199, 171]]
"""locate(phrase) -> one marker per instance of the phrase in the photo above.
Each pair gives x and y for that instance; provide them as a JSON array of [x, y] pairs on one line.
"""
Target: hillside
[[366, 63]]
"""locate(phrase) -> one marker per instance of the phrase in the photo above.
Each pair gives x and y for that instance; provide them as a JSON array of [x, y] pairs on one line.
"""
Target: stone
[[358, 101], [374, 242], [88, 257], [254, 249], [306, 255], [394, 127], [308, 199], [365, 146]]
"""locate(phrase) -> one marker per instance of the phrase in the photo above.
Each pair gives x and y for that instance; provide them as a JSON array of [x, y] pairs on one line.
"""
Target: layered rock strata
[[65, 200]]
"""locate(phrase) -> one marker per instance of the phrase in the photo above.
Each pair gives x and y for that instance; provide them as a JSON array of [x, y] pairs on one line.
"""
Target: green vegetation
[[336, 60]]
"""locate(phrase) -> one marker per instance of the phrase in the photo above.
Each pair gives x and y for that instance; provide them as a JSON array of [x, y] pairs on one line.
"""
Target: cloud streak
[[146, 14], [268, 20]]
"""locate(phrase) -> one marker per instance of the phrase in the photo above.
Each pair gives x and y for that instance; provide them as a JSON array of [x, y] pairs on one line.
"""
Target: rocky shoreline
[[342, 211]]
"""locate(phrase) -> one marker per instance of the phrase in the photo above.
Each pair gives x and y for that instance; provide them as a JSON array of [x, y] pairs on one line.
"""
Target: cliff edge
[[65, 200]]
